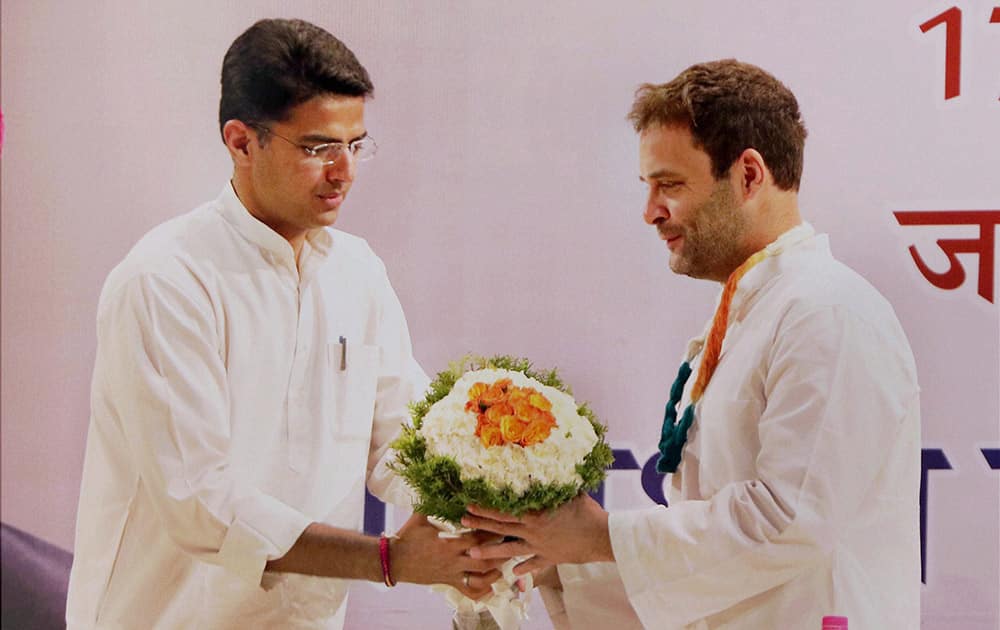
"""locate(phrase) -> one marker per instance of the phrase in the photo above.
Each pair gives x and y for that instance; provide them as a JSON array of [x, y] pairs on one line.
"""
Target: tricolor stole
[[673, 435]]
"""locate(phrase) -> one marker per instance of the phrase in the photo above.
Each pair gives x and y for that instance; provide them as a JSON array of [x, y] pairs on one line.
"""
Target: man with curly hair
[[793, 428]]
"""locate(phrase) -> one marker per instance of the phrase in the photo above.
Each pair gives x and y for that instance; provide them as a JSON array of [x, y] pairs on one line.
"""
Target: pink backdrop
[[506, 204]]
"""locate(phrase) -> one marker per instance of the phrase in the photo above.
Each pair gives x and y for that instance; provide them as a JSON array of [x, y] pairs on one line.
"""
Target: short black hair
[[278, 64]]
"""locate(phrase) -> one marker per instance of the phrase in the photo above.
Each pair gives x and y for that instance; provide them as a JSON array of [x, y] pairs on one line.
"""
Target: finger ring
[[465, 579]]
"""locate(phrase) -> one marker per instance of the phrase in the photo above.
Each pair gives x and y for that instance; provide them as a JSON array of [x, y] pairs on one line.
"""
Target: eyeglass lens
[[363, 149]]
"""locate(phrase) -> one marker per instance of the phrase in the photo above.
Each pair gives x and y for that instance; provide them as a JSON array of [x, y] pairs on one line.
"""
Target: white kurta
[[223, 422], [797, 494]]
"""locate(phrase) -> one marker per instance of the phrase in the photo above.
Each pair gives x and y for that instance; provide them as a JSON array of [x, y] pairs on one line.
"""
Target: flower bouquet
[[499, 434]]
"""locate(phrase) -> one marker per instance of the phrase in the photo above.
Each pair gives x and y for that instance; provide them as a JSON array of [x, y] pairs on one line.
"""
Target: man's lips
[[332, 198], [672, 238]]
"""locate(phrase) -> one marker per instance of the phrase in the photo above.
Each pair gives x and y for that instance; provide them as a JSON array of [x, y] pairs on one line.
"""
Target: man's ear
[[238, 136], [750, 173]]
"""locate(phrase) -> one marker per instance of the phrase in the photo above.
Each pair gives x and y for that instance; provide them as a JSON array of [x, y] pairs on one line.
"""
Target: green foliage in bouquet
[[437, 479]]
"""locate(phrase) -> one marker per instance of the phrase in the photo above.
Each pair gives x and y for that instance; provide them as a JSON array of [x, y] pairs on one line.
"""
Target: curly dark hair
[[278, 64], [730, 106]]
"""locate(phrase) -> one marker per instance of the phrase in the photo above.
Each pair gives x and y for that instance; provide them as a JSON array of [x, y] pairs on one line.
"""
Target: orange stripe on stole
[[713, 344]]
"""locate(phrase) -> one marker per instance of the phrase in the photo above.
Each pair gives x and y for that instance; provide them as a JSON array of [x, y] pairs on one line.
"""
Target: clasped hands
[[576, 532]]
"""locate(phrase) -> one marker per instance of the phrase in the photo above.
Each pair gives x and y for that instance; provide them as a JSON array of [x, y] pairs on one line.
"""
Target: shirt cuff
[[630, 545], [555, 607], [263, 530], [594, 597]]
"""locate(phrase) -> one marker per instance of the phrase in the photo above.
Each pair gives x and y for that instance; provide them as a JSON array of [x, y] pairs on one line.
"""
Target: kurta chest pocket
[[353, 381]]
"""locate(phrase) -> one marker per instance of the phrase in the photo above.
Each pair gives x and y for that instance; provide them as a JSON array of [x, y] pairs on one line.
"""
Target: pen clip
[[343, 353]]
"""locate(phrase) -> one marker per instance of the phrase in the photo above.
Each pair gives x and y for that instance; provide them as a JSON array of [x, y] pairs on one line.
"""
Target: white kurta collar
[[755, 279], [256, 232]]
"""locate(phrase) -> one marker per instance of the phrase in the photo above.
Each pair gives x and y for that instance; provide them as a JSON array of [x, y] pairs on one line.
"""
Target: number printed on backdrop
[[951, 19]]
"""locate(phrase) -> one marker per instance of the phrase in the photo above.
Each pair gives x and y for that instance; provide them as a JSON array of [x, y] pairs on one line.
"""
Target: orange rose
[[522, 408], [489, 435], [533, 414], [477, 390], [519, 395], [538, 431], [496, 392], [475, 394], [512, 428], [498, 411], [540, 402]]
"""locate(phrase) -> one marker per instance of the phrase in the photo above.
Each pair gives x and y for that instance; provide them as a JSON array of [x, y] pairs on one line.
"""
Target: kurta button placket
[[300, 412]]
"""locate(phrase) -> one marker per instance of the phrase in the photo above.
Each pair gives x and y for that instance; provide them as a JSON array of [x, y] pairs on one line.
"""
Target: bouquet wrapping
[[497, 433]]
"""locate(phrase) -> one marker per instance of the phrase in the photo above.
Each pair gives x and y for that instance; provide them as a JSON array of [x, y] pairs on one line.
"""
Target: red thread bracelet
[[383, 553]]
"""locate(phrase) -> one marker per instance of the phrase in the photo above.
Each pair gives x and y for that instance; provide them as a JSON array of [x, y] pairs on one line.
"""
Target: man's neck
[[244, 192], [777, 216]]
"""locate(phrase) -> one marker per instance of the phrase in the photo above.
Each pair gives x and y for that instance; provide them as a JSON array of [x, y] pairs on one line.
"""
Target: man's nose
[[655, 211], [343, 168]]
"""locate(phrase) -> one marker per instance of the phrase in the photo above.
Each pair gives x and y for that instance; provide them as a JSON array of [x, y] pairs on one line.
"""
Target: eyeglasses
[[363, 149]]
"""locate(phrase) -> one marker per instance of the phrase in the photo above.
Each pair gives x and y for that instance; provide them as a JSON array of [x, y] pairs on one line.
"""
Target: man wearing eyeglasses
[[253, 364]]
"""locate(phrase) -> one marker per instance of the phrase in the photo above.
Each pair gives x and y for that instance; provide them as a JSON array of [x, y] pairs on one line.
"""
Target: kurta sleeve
[[837, 390], [592, 596], [160, 366], [401, 380]]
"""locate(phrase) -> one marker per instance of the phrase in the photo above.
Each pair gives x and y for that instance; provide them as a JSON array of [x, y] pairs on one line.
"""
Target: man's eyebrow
[[315, 138], [658, 174]]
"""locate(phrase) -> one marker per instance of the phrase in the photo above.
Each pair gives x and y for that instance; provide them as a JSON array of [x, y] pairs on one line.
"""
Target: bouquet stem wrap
[[506, 610]]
